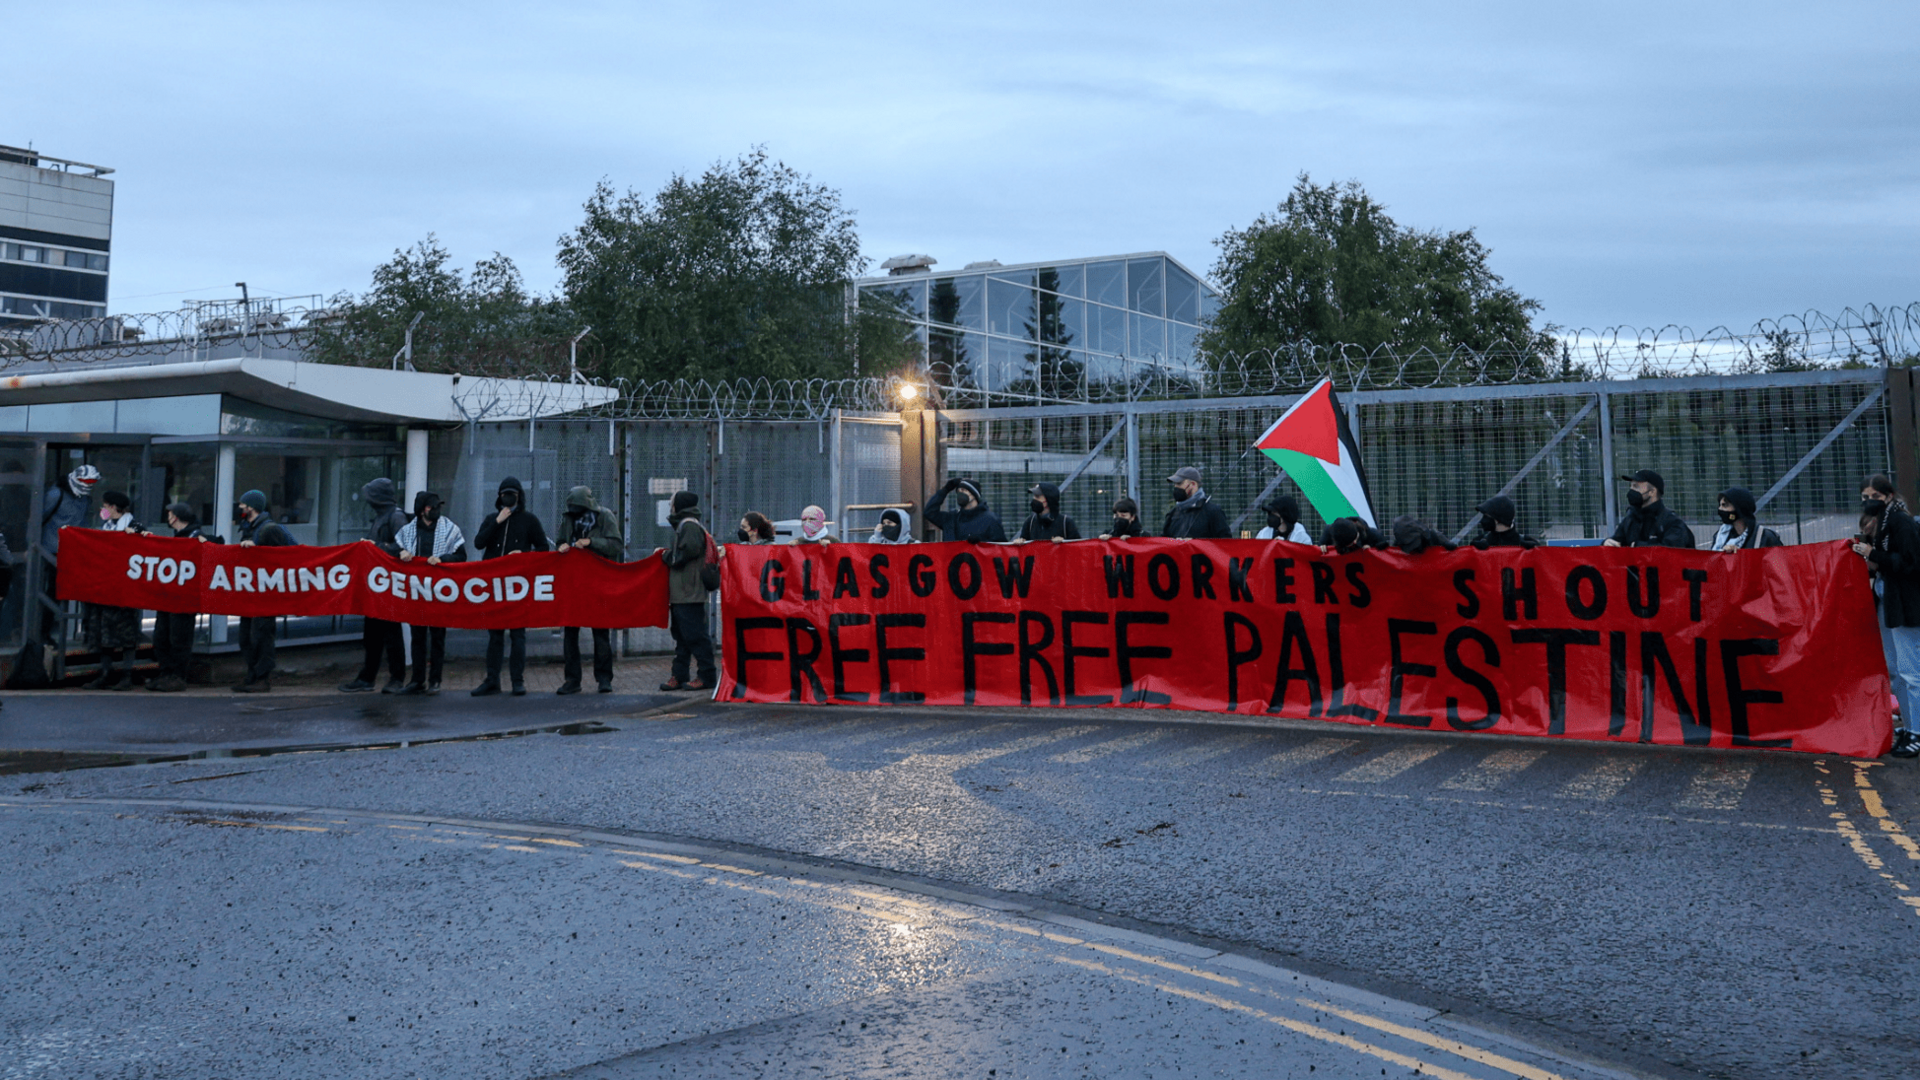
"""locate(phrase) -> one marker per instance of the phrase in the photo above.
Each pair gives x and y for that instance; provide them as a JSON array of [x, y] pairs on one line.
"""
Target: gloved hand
[[950, 486]]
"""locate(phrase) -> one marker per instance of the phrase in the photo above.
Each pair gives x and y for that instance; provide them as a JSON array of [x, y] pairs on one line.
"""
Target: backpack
[[710, 569]]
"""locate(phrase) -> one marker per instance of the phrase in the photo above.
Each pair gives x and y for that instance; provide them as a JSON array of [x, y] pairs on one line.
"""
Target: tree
[[1330, 268], [745, 271], [483, 322]]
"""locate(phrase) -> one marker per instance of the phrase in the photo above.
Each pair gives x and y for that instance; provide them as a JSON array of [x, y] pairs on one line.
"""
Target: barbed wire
[[514, 380]]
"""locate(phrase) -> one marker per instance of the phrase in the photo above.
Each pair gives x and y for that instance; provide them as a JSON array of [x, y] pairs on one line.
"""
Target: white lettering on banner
[[156, 568], [449, 593], [498, 596], [516, 589], [377, 579], [275, 579], [397, 585], [472, 599], [419, 588], [312, 579], [339, 576], [219, 579], [169, 569], [543, 587], [243, 578]]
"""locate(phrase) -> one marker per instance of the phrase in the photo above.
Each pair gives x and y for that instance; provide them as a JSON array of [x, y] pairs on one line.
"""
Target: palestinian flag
[[1314, 446]]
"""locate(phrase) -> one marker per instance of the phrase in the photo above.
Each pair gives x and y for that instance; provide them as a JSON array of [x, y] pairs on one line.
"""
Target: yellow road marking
[[1388, 765], [1493, 770], [260, 825], [555, 843], [1288, 760], [520, 847], [1878, 808], [1458, 1049]]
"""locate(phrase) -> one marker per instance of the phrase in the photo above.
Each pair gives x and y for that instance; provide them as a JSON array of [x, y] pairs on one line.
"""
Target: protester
[[435, 540], [257, 632], [896, 527], [1046, 520], [972, 521], [173, 630], [813, 528], [687, 596], [379, 636], [1126, 520], [1496, 526], [1649, 523], [1738, 530], [65, 506], [1194, 514], [512, 529], [1891, 547], [1344, 536], [590, 528], [1283, 521], [1413, 536], [755, 528], [113, 632]]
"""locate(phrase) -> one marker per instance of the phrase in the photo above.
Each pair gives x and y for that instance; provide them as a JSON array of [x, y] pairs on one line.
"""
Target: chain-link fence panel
[[869, 457], [775, 468]]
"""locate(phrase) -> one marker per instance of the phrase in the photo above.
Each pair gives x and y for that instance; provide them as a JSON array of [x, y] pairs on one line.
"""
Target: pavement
[[1572, 908]]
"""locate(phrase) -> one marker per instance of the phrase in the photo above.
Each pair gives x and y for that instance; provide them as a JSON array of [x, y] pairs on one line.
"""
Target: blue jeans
[[1902, 646]]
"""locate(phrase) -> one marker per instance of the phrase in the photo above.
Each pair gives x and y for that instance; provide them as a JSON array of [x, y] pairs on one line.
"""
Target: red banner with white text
[[1770, 648], [572, 588]]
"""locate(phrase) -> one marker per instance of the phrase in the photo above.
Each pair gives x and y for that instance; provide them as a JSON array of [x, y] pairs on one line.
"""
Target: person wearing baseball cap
[[1649, 523], [972, 521], [1496, 526], [1194, 515]]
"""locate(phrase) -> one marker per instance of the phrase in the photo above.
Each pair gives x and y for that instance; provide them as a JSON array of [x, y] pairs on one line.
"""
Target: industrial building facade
[[56, 238]]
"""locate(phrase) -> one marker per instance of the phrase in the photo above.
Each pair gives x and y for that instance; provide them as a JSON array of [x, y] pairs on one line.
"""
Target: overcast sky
[[1638, 164]]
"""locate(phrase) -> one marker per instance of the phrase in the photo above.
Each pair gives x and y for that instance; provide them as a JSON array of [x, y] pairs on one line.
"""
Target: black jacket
[[266, 532], [520, 532], [1198, 518], [1896, 555], [976, 523], [1511, 538], [387, 515], [1653, 526], [1051, 524]]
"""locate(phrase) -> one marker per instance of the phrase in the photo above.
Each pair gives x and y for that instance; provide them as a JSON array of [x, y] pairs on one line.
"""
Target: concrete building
[[56, 238]]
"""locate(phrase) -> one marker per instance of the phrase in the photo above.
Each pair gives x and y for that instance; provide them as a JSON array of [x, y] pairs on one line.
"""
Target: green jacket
[[685, 559], [599, 526]]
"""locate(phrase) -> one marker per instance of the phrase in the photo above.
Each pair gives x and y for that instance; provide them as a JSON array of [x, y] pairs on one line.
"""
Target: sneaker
[[519, 689], [124, 682], [357, 686], [1905, 744], [485, 689], [606, 688], [410, 688], [571, 686]]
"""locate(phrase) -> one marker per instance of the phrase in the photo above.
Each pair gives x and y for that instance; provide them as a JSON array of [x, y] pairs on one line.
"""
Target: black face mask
[[890, 529], [1729, 516], [1872, 507], [1038, 506], [1637, 498], [741, 535], [1280, 525], [430, 515], [1124, 527], [509, 499]]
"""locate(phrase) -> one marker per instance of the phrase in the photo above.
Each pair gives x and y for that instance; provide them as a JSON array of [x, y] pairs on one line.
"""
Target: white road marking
[[1016, 746], [1207, 751], [1603, 781], [1493, 770], [1288, 760], [1718, 786], [1112, 746], [1388, 765], [924, 745], [890, 732]]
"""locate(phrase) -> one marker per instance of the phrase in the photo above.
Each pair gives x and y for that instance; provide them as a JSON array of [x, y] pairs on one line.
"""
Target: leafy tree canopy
[[1328, 267], [742, 272], [483, 321]]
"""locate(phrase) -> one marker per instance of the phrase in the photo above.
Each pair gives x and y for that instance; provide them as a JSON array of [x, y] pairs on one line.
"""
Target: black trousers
[[429, 653], [688, 625], [378, 636], [602, 655], [256, 646], [173, 642], [497, 646]]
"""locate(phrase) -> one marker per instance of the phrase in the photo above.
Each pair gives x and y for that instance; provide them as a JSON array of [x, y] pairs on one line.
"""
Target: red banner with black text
[[573, 588], [1769, 648]]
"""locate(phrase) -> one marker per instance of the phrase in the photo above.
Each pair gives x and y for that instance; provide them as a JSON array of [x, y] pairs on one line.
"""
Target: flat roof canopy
[[327, 391]]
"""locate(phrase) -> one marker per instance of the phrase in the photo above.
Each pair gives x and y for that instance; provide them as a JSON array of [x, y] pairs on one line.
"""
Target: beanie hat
[[256, 499], [184, 513], [684, 501], [972, 489]]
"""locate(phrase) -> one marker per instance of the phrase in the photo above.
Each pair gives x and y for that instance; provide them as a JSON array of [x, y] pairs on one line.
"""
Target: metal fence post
[[1606, 461], [1133, 454]]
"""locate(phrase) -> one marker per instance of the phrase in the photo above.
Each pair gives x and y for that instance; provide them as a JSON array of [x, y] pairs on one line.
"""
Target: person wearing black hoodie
[[1739, 531], [511, 529], [972, 521], [173, 630], [1126, 520], [1047, 522], [1649, 523], [1412, 536], [257, 633], [1496, 526], [433, 540], [379, 636]]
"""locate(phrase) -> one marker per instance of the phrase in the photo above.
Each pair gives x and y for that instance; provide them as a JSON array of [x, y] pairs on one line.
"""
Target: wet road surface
[[1670, 912]]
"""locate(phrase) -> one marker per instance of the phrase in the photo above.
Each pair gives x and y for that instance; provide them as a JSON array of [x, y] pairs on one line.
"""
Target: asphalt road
[[1669, 912]]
